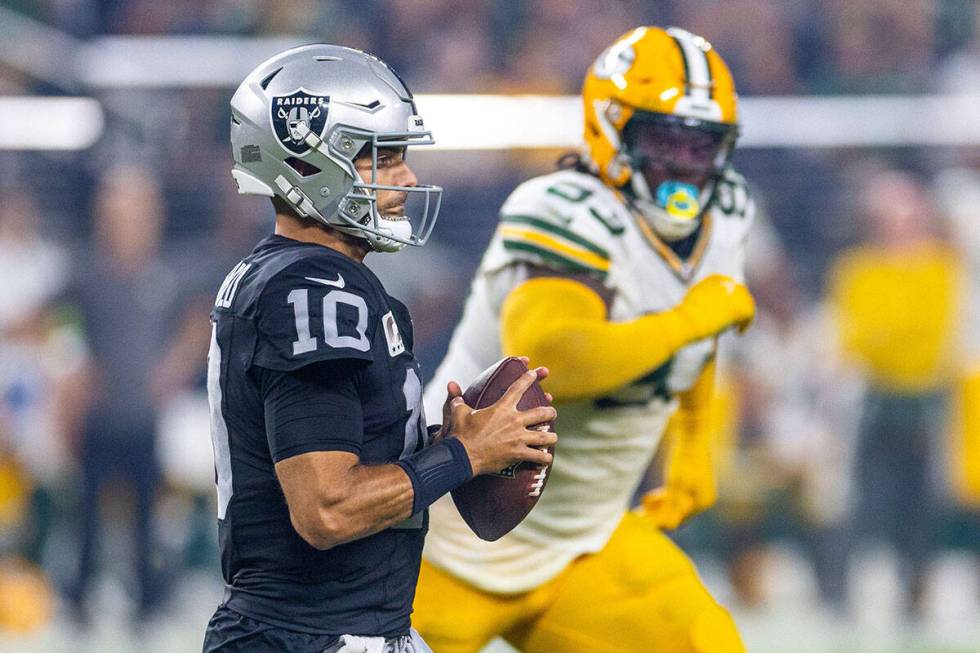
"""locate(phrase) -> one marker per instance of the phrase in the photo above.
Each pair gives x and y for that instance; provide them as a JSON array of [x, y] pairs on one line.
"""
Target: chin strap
[[306, 209], [298, 199], [380, 242]]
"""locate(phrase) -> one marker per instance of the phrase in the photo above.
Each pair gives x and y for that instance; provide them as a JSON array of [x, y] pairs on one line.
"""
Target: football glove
[[714, 304]]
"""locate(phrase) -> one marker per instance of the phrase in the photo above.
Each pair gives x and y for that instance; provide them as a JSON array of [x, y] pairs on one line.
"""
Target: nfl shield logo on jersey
[[297, 115]]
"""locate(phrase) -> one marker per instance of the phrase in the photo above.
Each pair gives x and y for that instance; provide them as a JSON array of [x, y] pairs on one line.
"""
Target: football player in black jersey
[[324, 464]]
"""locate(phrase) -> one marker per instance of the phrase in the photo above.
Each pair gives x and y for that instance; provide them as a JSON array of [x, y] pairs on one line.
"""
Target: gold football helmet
[[660, 124]]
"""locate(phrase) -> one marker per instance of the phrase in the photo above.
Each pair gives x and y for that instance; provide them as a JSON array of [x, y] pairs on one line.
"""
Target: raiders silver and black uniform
[[309, 353]]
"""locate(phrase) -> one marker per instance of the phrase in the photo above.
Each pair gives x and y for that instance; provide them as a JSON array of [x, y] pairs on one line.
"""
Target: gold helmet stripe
[[697, 72]]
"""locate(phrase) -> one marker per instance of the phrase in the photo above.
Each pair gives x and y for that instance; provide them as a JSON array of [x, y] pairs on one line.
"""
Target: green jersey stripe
[[556, 230], [552, 257]]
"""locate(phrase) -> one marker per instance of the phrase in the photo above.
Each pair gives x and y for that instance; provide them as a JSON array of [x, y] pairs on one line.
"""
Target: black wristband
[[436, 470]]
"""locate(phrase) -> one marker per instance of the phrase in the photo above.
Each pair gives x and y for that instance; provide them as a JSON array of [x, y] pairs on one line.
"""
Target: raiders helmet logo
[[297, 115]]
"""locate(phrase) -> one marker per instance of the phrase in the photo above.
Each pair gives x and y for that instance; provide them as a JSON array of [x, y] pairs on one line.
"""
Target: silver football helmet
[[301, 118]]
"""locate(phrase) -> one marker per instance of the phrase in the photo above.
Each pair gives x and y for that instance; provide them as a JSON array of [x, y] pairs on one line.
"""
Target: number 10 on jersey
[[300, 300]]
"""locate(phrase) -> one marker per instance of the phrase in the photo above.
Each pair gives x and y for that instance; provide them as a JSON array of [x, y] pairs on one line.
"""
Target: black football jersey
[[289, 307]]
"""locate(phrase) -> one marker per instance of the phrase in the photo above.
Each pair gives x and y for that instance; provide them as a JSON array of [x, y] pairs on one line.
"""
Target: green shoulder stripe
[[544, 225], [553, 258]]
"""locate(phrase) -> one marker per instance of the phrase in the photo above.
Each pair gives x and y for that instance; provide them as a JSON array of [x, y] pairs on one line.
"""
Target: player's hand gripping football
[[689, 487], [500, 435], [714, 304], [454, 390]]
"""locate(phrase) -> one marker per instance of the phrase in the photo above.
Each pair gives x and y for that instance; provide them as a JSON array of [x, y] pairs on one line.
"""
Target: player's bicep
[[590, 281], [300, 475], [312, 482], [548, 299]]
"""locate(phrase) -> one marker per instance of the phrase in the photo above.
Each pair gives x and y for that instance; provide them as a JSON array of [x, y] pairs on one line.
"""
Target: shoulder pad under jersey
[[318, 308], [568, 221]]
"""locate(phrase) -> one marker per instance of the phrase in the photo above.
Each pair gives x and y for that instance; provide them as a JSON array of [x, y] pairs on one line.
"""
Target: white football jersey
[[571, 222]]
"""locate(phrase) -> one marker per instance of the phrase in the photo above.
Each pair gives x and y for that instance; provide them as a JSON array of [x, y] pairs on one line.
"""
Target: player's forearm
[[361, 500], [376, 497], [333, 499], [692, 422], [590, 359], [562, 325]]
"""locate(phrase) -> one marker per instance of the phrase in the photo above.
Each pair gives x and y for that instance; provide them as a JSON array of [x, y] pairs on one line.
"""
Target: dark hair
[[572, 161]]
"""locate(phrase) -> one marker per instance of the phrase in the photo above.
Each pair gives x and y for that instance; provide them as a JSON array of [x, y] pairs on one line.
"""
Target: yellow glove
[[714, 304], [689, 484]]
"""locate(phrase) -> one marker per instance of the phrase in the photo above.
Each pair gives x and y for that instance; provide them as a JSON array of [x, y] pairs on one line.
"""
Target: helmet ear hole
[[304, 168]]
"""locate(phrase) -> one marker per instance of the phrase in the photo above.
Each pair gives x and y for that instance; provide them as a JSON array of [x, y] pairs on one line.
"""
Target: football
[[493, 504]]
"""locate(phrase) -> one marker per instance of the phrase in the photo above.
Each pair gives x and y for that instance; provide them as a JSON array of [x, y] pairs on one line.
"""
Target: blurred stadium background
[[849, 517]]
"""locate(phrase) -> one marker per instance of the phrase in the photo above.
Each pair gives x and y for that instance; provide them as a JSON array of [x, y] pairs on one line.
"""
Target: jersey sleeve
[[316, 408], [315, 311], [557, 222]]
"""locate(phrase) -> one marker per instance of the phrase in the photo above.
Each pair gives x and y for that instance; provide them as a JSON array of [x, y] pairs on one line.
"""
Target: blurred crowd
[[850, 411], [831, 46]]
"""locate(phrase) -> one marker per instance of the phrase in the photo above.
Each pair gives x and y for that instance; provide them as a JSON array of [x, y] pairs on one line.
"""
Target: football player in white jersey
[[618, 272]]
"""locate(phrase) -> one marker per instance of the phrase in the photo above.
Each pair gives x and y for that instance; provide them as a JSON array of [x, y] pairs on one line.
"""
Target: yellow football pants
[[640, 594]]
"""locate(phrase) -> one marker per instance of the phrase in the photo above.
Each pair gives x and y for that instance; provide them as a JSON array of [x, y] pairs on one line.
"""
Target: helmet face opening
[[666, 148], [360, 207]]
